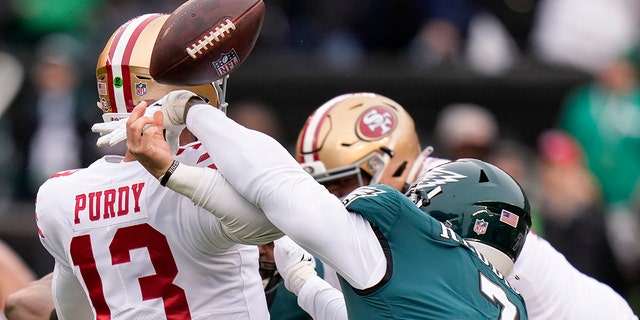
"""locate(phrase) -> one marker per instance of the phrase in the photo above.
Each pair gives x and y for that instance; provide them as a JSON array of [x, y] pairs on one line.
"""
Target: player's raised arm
[[266, 174], [243, 222]]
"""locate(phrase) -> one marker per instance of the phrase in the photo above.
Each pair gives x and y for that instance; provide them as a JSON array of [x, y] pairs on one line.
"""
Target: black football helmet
[[479, 201]]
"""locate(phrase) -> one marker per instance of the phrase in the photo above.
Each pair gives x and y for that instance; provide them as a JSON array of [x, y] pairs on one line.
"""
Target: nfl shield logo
[[227, 62], [480, 227], [141, 89]]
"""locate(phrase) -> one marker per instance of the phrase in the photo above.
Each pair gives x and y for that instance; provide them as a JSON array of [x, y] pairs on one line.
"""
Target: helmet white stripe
[[119, 57], [312, 129]]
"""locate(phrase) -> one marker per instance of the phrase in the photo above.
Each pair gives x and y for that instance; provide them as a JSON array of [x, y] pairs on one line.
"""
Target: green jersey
[[432, 273]]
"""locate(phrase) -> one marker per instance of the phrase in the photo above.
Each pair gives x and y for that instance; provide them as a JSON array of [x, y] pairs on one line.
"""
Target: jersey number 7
[[494, 293]]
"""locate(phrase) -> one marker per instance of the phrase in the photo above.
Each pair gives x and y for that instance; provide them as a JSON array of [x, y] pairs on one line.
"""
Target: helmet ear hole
[[400, 170], [483, 177], [388, 151]]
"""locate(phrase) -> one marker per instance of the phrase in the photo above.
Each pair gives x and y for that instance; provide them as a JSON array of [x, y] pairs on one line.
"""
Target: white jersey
[[553, 289], [138, 250]]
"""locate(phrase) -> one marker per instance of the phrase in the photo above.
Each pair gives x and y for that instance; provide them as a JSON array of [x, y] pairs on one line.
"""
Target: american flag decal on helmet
[[509, 218]]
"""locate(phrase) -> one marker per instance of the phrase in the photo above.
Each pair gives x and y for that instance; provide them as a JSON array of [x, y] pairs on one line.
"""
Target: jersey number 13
[[159, 285]]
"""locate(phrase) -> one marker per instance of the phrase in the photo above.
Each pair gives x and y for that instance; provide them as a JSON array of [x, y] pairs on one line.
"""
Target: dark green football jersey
[[432, 273]]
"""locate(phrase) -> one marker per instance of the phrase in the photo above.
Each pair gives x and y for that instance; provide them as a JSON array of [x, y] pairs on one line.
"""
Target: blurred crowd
[[582, 175]]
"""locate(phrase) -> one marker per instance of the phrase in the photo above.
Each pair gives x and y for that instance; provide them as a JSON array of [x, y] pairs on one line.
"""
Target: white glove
[[294, 264], [111, 132], [172, 105], [114, 132]]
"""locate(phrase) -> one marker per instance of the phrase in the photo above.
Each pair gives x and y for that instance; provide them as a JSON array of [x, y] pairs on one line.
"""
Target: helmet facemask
[[373, 162]]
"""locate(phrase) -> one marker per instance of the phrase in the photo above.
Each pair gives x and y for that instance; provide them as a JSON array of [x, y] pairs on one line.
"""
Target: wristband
[[165, 177]]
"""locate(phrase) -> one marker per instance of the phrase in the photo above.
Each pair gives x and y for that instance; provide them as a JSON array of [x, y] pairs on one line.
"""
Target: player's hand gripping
[[146, 142], [294, 263]]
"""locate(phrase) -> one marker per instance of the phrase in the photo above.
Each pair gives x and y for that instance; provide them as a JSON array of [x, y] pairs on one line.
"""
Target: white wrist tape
[[298, 275]]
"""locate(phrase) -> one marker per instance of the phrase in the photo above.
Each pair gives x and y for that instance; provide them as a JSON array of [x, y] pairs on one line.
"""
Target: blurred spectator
[[465, 130], [490, 49], [437, 40], [11, 77], [517, 17], [604, 117], [433, 30], [571, 206], [54, 108], [424, 33], [585, 35], [345, 34], [14, 254]]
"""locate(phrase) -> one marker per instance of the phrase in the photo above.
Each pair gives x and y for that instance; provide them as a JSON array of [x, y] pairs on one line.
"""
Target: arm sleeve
[[553, 288], [242, 221], [69, 298], [264, 172], [322, 301]]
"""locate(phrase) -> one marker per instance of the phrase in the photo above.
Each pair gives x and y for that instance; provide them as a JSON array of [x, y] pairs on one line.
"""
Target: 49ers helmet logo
[[376, 123]]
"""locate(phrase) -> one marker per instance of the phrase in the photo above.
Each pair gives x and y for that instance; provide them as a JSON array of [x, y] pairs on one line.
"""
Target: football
[[205, 40]]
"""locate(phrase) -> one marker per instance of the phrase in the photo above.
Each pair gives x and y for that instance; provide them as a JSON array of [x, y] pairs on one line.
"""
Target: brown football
[[205, 40]]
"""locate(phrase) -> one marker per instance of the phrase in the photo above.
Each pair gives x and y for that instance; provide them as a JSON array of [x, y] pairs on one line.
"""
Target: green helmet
[[478, 201]]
